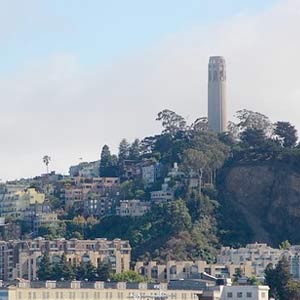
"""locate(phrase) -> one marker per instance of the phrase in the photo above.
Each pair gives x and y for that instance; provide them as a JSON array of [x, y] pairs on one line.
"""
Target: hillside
[[260, 202], [202, 190]]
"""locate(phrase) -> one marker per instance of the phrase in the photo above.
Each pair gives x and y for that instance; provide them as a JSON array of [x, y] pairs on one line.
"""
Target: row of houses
[[260, 255], [147, 170], [249, 261], [86, 194]]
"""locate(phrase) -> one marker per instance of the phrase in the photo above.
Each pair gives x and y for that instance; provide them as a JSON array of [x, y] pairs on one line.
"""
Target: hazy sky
[[76, 74]]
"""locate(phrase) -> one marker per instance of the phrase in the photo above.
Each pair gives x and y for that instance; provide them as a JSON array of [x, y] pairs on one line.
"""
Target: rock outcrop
[[267, 199]]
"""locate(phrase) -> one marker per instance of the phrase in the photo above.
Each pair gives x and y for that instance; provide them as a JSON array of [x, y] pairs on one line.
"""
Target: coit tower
[[217, 106]]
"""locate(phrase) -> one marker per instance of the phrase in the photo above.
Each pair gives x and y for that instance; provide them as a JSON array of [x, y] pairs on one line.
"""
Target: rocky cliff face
[[265, 201]]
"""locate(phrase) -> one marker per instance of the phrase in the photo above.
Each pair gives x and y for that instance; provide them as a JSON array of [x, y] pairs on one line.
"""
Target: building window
[[249, 295], [239, 295], [229, 295]]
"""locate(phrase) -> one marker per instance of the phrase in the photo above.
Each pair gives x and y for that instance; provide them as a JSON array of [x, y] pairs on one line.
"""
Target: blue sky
[[99, 31], [75, 75]]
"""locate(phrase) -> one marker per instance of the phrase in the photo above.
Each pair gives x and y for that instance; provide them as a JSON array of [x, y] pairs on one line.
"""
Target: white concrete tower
[[217, 106]]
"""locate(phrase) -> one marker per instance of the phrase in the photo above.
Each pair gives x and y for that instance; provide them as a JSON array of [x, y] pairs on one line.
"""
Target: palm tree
[[46, 160]]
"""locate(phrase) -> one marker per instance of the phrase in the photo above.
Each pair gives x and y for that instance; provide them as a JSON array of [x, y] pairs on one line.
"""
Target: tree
[[86, 270], [46, 160], [286, 134], [285, 245], [104, 271], [178, 215], [45, 268], [237, 275], [205, 154], [200, 124], [254, 281], [123, 150], [200, 205], [253, 137], [55, 202], [171, 122], [108, 163], [196, 161], [127, 276], [63, 269], [293, 290], [278, 279], [105, 161], [135, 150], [233, 130], [253, 120], [47, 230], [126, 190]]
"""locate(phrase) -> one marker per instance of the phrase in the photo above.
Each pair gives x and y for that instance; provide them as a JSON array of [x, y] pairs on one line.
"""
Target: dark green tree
[[108, 163], [254, 281], [253, 137], [104, 271], [123, 150], [105, 161], [135, 150], [63, 269], [286, 134], [278, 279], [86, 270], [237, 275], [47, 231], [45, 268]]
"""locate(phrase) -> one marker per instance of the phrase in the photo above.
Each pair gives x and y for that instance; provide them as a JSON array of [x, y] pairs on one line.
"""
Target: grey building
[[217, 104]]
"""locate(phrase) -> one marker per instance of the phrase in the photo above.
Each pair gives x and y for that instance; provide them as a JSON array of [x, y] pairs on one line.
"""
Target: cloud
[[61, 108]]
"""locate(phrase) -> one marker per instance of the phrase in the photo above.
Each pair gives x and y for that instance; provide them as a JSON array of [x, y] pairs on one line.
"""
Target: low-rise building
[[259, 255], [122, 290], [38, 215], [92, 196], [162, 196], [16, 201], [85, 169], [130, 169], [132, 208], [179, 270], [151, 171], [239, 292]]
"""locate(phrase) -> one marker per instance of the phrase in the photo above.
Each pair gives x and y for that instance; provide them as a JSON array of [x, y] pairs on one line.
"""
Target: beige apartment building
[[20, 259], [178, 270], [17, 200]]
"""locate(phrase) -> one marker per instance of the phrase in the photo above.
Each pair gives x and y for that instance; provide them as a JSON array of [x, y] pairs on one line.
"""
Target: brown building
[[92, 196]]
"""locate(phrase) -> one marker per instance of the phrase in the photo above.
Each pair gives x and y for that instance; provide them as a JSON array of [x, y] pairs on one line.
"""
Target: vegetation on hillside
[[200, 219]]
